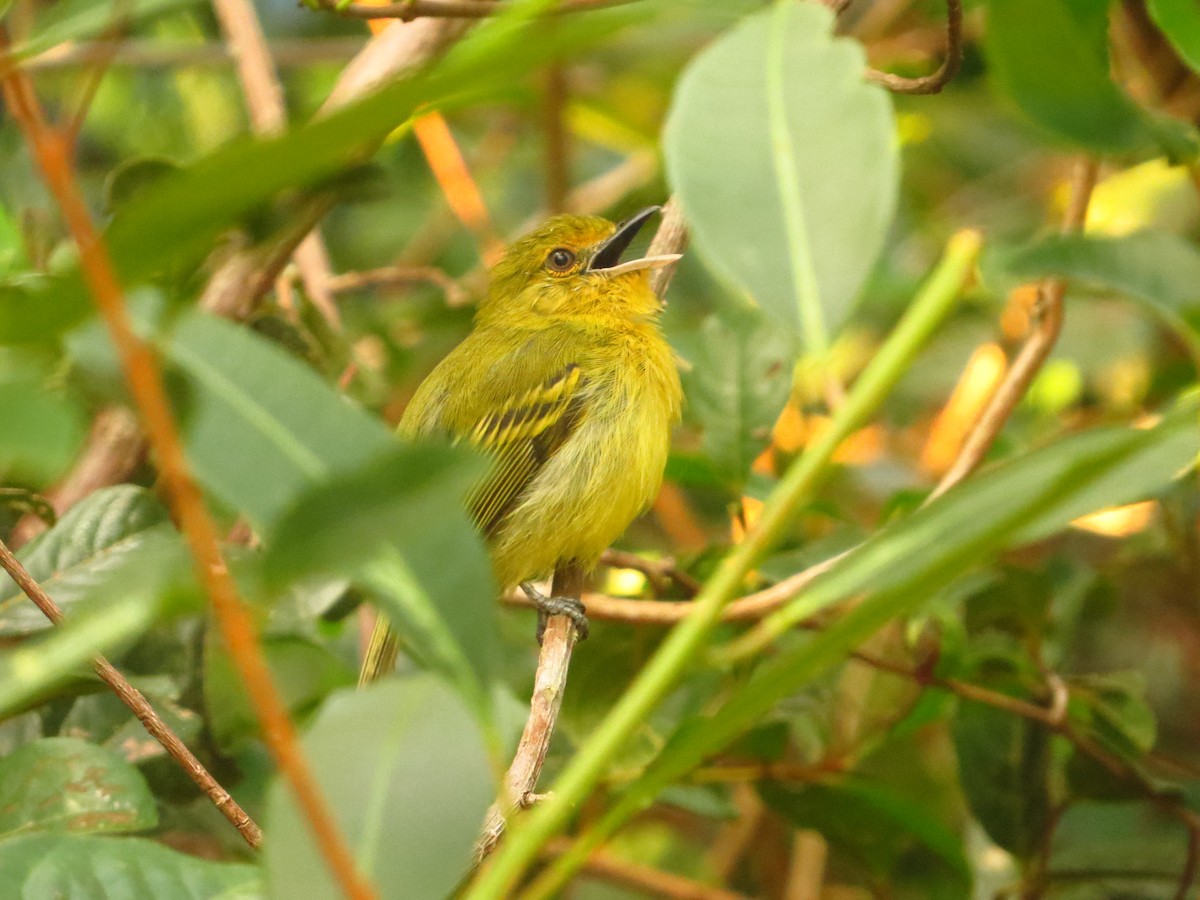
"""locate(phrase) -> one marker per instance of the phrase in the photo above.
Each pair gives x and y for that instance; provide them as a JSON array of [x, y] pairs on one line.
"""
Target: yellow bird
[[568, 383]]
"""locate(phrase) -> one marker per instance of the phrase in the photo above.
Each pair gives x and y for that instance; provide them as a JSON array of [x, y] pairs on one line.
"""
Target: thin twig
[[646, 879], [549, 684], [156, 54], [1033, 354], [268, 115], [140, 707], [388, 276], [930, 84], [554, 134], [671, 237], [145, 380], [408, 10], [659, 571]]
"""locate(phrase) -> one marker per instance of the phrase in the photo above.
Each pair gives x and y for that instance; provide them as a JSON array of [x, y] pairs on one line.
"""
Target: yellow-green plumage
[[568, 382]]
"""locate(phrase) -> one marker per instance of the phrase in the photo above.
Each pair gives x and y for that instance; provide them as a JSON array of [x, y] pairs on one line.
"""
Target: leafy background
[[1005, 709]]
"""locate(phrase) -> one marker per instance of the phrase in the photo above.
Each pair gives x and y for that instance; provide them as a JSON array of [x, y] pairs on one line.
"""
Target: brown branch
[[268, 115], [654, 882], [556, 146], [549, 684], [408, 10], [1048, 319], [145, 380], [456, 295], [671, 237], [930, 84], [155, 54], [140, 707]]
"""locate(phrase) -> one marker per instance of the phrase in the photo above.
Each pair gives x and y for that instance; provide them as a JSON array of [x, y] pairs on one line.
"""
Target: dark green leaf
[[1115, 711], [1124, 839], [877, 828], [67, 784], [82, 867], [403, 766], [739, 382], [1050, 57], [1004, 765], [786, 163], [114, 533]]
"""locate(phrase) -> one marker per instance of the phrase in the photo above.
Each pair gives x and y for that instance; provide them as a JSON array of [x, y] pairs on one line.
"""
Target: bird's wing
[[522, 435]]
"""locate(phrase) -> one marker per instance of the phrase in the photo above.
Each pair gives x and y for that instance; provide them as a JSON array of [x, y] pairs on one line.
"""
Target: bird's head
[[571, 265]]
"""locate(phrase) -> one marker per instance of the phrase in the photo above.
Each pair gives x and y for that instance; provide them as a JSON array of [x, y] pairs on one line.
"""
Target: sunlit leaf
[[404, 769], [785, 161], [68, 784]]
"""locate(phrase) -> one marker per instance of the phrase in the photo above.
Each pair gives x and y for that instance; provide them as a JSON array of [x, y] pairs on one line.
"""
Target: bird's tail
[[381, 653]]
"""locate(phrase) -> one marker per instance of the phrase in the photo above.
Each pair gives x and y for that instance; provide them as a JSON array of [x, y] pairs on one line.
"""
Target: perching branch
[[644, 879], [930, 84], [549, 684], [408, 10], [142, 373], [140, 707], [1048, 319]]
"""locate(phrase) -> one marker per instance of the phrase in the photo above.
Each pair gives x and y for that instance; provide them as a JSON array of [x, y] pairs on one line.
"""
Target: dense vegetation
[[938, 328]]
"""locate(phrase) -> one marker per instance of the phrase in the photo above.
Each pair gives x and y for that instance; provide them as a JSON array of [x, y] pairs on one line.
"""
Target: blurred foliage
[[1005, 710]]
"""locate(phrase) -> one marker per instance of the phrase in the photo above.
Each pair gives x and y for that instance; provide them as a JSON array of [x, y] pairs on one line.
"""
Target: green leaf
[[739, 382], [1179, 20], [67, 784], [115, 533], [86, 866], [43, 431], [1155, 266], [399, 526], [786, 163], [403, 767], [261, 427], [78, 20], [880, 830], [1123, 839], [304, 672], [13, 258], [904, 566], [1050, 57], [1004, 765], [1114, 709]]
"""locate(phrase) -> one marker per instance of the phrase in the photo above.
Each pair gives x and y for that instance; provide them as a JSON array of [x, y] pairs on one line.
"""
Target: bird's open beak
[[607, 258]]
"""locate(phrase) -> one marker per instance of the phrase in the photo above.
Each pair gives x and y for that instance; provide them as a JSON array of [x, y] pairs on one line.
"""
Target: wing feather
[[522, 436]]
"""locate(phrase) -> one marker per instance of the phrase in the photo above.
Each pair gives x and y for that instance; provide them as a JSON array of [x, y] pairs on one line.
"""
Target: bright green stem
[[687, 639]]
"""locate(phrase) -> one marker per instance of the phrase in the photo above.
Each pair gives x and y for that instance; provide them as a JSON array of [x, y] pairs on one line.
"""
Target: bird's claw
[[570, 607]]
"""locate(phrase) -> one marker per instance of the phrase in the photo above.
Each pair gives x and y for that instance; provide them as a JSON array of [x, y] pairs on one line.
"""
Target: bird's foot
[[570, 607]]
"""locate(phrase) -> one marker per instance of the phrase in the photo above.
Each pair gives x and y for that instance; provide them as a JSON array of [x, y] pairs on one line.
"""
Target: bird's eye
[[560, 259]]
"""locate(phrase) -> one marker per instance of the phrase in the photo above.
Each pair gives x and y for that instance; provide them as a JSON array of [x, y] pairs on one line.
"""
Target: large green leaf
[[68, 784], [785, 161], [260, 426], [1050, 57], [738, 383], [403, 766], [399, 526], [903, 566], [115, 534], [43, 430], [1180, 22], [85, 867]]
